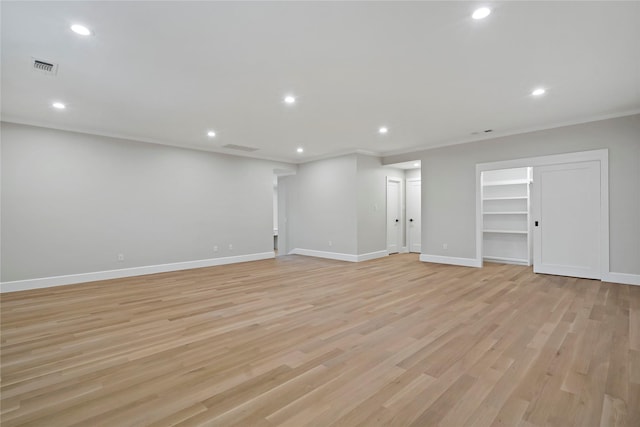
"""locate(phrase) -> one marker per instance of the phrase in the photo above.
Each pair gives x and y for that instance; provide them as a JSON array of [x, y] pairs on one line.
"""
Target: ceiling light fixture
[[80, 29], [211, 134], [416, 164], [300, 150], [539, 91], [59, 105], [289, 99], [383, 130], [481, 13]]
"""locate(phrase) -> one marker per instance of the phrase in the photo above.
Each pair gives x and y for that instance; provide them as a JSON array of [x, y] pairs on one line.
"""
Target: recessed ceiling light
[[81, 29], [416, 164], [539, 91], [211, 134], [300, 150], [59, 105], [290, 99], [383, 130], [481, 13]]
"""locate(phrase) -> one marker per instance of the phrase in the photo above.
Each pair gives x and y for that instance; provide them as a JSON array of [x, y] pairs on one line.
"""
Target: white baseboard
[[465, 262], [46, 282], [339, 256], [624, 278], [322, 254], [373, 255], [404, 250]]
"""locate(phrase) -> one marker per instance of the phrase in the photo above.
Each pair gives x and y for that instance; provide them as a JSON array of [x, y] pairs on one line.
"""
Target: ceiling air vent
[[240, 147], [45, 67]]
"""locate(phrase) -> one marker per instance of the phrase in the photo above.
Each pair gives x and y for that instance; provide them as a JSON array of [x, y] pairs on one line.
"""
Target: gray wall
[[72, 202], [342, 200], [372, 203], [448, 184], [322, 206]]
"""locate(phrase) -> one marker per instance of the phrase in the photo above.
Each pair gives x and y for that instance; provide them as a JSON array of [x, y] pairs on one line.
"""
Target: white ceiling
[[167, 72]]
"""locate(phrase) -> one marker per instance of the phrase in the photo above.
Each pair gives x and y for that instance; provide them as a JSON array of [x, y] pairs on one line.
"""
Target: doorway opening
[[281, 182], [275, 214], [404, 207], [506, 216]]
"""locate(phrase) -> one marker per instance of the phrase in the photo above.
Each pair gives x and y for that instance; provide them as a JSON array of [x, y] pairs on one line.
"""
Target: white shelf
[[505, 213], [506, 231], [506, 198], [506, 216], [506, 182]]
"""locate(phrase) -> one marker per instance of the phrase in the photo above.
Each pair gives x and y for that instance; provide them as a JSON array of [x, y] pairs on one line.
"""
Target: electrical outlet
[[230, 247], [330, 243], [445, 246], [215, 248], [120, 257]]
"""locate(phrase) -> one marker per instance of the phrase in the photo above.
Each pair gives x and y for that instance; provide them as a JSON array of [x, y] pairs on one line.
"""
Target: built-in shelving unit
[[506, 216]]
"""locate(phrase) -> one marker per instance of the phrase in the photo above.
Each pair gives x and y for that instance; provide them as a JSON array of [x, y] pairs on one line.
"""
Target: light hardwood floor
[[302, 341]]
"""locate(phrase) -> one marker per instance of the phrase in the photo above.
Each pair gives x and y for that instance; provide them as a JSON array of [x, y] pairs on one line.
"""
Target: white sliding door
[[566, 215]]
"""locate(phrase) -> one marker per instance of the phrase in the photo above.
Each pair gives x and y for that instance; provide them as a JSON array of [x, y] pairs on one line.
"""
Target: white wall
[[72, 202], [448, 184], [497, 175], [412, 173]]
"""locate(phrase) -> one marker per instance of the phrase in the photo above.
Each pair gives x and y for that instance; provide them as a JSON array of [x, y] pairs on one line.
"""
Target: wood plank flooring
[[300, 341]]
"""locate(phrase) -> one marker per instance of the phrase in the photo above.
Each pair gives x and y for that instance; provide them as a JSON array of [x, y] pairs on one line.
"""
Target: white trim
[[404, 250], [339, 256], [372, 255], [624, 278], [412, 151], [339, 153], [323, 254], [438, 259], [185, 146], [46, 282], [582, 156]]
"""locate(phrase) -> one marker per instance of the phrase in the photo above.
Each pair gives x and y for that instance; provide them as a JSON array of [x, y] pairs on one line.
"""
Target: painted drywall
[[498, 175], [412, 173], [283, 211], [275, 204], [448, 184], [372, 203], [338, 205], [72, 202], [322, 206]]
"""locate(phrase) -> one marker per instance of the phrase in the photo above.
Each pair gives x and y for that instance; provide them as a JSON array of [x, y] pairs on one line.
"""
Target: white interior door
[[393, 215], [566, 215], [413, 215]]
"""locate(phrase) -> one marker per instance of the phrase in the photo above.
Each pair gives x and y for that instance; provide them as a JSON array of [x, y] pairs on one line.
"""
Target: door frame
[[601, 156], [400, 212]]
